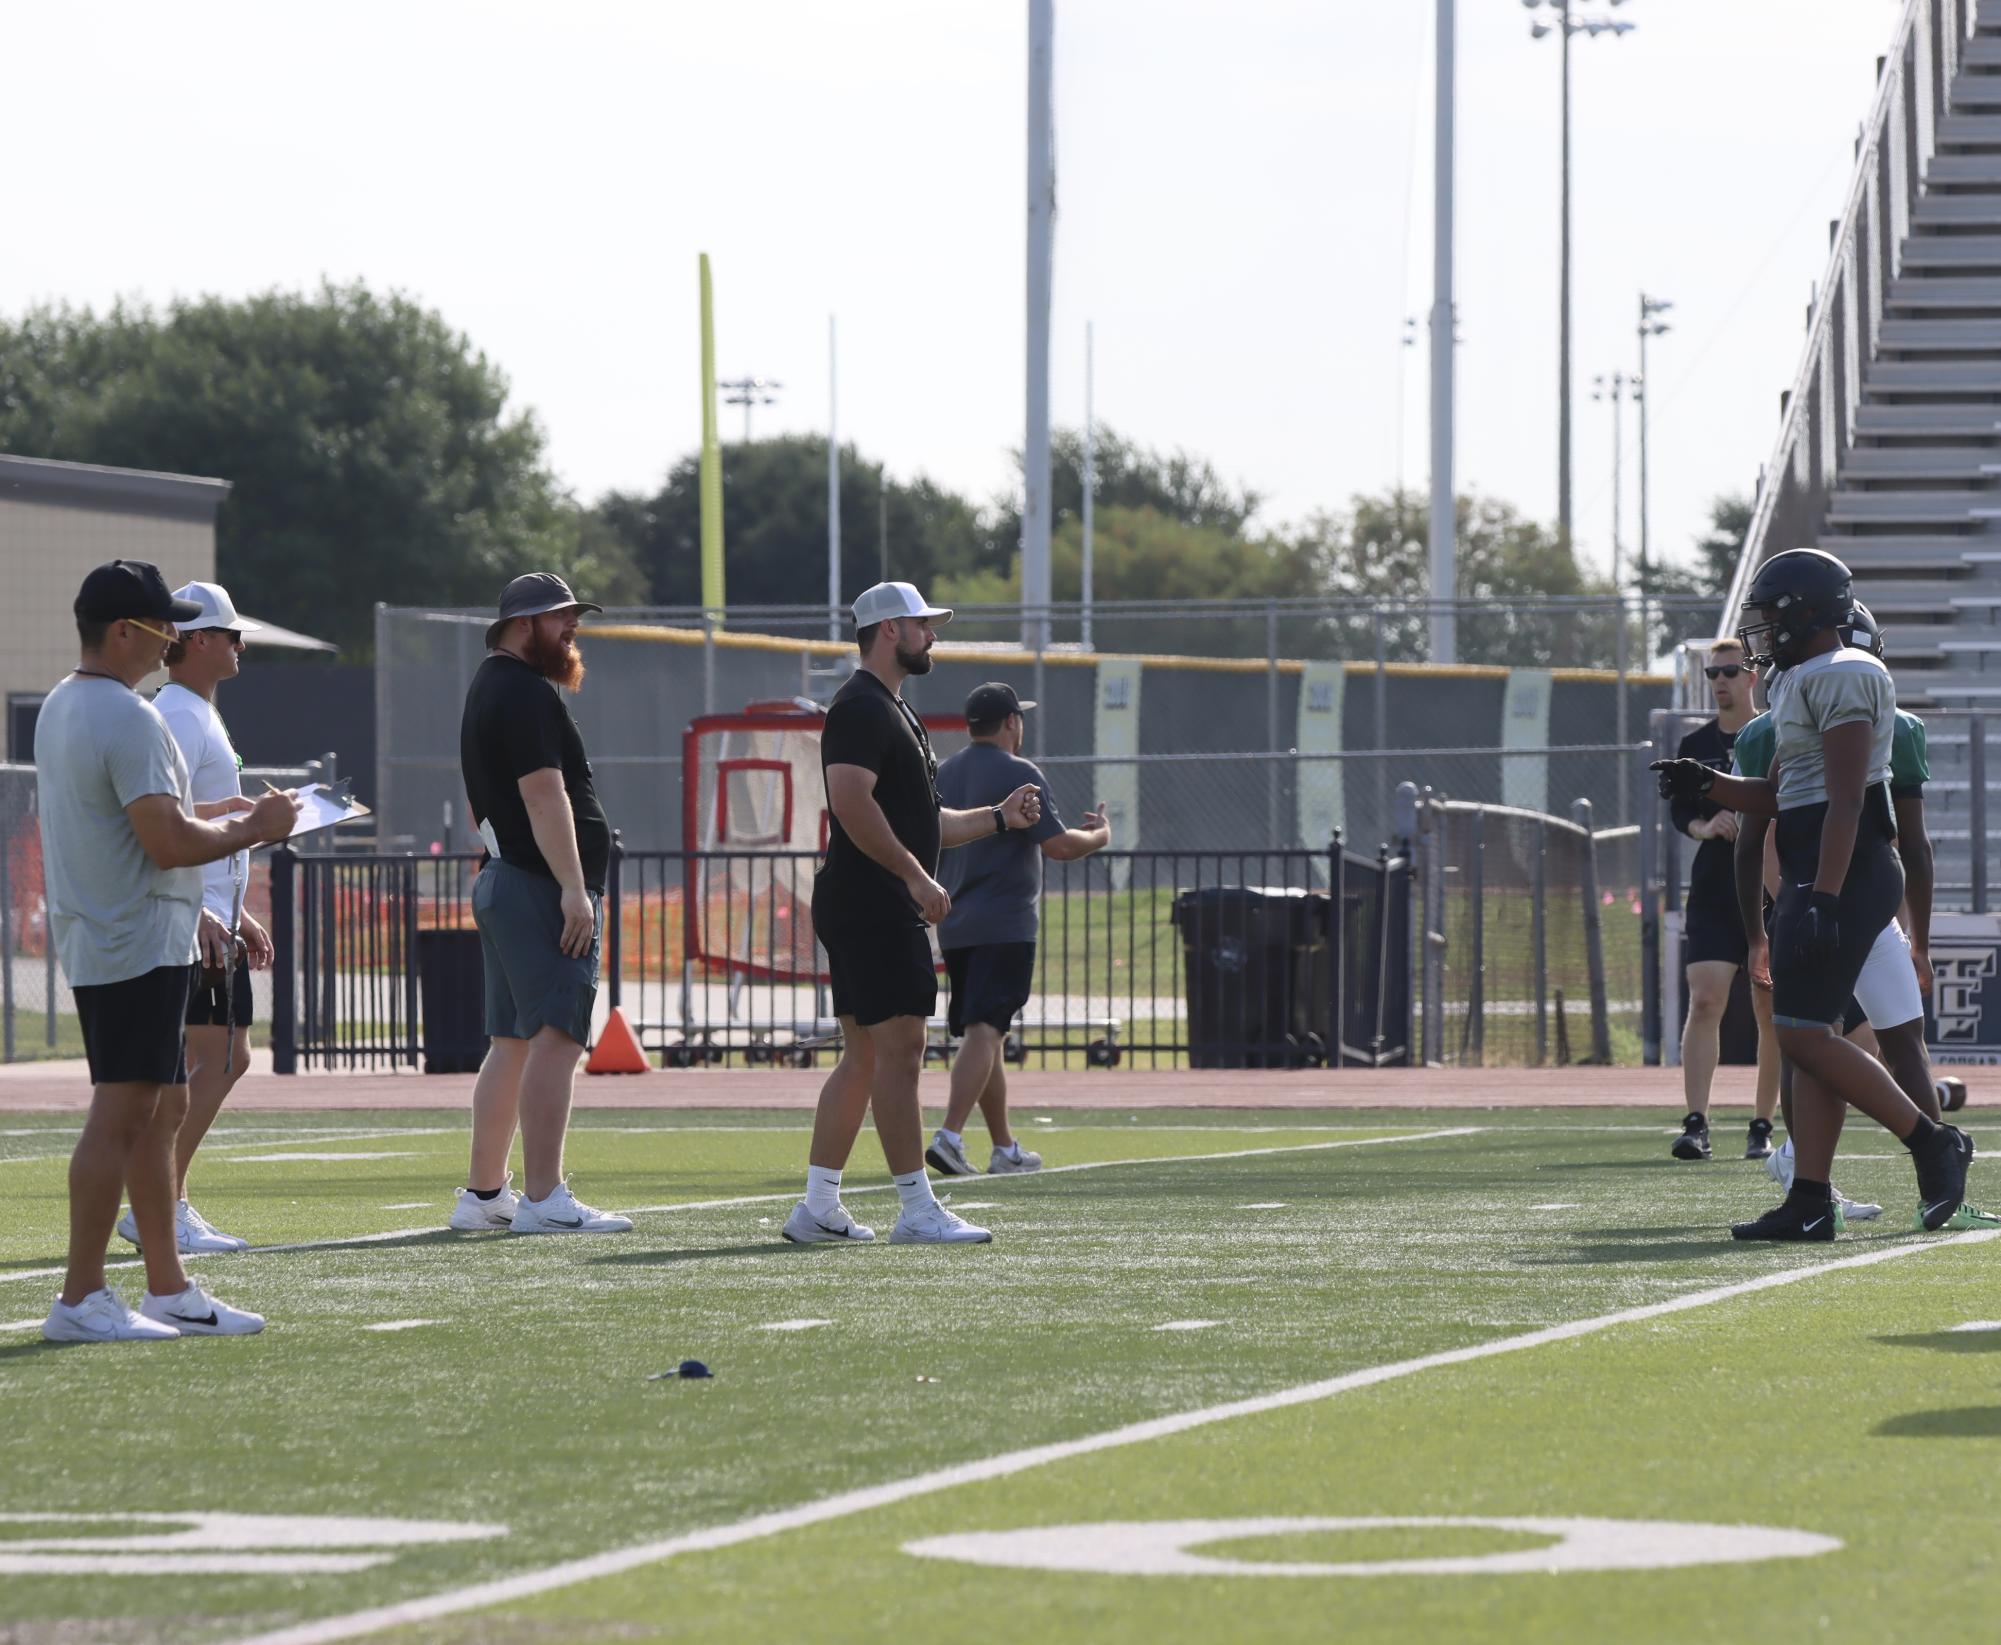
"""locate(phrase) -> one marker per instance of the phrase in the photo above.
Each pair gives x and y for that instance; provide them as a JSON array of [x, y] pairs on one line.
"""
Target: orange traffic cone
[[618, 1050]]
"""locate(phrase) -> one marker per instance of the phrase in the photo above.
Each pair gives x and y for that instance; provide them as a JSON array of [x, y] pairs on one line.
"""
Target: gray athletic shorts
[[531, 983]]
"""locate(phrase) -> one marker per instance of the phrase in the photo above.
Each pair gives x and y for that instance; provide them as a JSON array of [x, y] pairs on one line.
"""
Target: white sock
[[914, 1189], [823, 1190], [953, 1137], [1012, 1150]]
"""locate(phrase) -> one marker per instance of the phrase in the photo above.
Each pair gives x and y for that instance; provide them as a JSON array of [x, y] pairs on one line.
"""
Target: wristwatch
[[1000, 821]]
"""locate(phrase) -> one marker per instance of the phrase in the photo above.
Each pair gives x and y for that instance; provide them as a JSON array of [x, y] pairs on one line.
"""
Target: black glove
[[1818, 933], [1684, 779]]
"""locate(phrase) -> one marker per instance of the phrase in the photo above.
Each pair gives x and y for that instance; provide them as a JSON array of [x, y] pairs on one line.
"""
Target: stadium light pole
[[748, 392], [1613, 389], [1563, 28], [833, 496], [1090, 484], [1035, 513], [1441, 541], [1651, 325]]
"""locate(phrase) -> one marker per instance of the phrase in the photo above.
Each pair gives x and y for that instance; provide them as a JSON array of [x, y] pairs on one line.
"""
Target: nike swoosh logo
[[574, 1222], [189, 1319], [1929, 1209], [1817, 1221]]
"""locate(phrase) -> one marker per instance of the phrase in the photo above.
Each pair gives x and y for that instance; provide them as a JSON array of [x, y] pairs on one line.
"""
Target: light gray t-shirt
[[214, 773], [99, 747], [1831, 689]]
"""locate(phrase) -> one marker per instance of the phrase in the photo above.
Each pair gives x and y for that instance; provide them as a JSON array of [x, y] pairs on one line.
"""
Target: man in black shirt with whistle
[[1714, 946], [874, 900]]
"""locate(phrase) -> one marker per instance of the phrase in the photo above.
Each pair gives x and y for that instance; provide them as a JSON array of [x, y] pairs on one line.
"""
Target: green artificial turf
[[1845, 1404]]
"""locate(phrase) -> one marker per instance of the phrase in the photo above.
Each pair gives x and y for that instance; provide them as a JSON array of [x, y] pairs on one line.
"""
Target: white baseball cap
[[217, 609], [887, 600]]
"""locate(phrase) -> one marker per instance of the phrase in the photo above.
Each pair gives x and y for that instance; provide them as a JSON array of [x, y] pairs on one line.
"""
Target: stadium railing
[[1153, 959], [1527, 923]]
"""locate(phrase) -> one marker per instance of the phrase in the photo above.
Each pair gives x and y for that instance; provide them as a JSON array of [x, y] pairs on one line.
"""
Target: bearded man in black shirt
[[539, 905], [1714, 945], [873, 900]]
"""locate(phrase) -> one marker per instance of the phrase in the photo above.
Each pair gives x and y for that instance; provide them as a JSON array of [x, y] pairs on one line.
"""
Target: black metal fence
[[1151, 959]]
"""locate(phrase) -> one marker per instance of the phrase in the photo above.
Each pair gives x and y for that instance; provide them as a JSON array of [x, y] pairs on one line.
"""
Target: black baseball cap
[[131, 588], [993, 702], [530, 596]]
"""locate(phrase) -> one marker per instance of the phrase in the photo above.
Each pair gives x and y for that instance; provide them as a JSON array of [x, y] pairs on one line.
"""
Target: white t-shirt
[[1825, 691], [215, 774], [99, 747]]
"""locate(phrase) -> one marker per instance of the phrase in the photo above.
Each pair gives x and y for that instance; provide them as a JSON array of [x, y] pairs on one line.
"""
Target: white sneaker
[[198, 1236], [1779, 1165], [1022, 1159], [563, 1213], [102, 1317], [471, 1213], [194, 1236], [1856, 1210], [934, 1225], [948, 1158], [194, 1313], [837, 1227]]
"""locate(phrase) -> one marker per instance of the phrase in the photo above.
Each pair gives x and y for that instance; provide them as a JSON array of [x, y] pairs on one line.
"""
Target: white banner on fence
[[1323, 803], [1525, 724], [1117, 734]]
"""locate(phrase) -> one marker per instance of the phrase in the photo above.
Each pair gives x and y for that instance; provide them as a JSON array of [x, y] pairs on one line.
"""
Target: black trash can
[[1258, 977], [451, 978]]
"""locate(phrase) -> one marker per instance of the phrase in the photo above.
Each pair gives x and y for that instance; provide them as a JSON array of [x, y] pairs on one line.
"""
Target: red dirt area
[[64, 1087]]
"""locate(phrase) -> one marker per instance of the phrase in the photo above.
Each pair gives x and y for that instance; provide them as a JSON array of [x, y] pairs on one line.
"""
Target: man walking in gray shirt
[[989, 936], [121, 854]]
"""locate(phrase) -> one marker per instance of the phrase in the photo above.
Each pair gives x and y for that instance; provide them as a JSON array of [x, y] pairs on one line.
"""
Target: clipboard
[[321, 805]]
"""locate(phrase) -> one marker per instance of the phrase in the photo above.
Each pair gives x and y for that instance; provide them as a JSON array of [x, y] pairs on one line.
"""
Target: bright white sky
[[1244, 210]]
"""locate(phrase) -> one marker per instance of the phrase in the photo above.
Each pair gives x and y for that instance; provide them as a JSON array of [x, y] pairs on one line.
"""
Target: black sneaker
[[1951, 1094], [1758, 1145], [1942, 1176], [1693, 1143], [1793, 1220]]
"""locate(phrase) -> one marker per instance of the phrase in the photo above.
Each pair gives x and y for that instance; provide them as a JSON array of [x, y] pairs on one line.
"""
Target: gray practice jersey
[[1835, 688]]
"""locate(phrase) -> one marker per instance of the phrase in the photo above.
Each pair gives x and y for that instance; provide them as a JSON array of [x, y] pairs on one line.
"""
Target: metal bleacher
[[1889, 453]]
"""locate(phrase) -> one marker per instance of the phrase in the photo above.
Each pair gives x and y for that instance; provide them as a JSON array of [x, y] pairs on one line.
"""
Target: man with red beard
[[539, 904]]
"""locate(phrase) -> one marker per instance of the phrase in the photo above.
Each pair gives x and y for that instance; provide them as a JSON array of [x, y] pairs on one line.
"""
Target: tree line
[[372, 453]]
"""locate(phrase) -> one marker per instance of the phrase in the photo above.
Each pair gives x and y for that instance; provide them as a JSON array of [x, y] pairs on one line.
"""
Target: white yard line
[[988, 1183], [766, 1199], [845, 1504], [273, 1140]]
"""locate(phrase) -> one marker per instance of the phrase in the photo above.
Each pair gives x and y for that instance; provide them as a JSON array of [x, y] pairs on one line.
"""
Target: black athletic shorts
[[990, 984], [226, 1006], [880, 971], [1713, 931], [134, 1032], [1804, 997]]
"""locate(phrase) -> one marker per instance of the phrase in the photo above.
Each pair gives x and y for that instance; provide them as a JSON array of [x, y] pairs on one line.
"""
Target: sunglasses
[[1726, 671], [233, 636]]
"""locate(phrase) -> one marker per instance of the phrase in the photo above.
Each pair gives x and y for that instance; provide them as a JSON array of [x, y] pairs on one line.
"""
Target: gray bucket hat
[[530, 596]]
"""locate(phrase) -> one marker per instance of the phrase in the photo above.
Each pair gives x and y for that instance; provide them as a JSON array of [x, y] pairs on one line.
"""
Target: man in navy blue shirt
[[989, 936]]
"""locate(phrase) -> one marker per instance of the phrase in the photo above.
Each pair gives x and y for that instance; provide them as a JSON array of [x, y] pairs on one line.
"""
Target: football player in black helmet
[[1841, 884]]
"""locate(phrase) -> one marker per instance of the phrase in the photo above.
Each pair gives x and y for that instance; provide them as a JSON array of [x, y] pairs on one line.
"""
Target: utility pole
[[1442, 543], [1651, 325], [1091, 481], [833, 496], [1613, 389], [1035, 513]]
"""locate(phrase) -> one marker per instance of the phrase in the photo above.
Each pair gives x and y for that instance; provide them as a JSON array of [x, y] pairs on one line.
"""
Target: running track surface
[[63, 1087]]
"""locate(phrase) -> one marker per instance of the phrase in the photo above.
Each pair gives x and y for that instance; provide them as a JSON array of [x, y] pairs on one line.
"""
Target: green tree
[[1507, 565], [775, 526], [370, 448], [1689, 596]]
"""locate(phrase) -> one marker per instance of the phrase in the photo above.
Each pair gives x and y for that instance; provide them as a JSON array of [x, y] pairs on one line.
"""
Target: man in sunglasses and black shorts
[[1714, 946]]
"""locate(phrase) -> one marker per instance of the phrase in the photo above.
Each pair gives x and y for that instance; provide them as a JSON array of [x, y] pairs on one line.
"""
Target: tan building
[[57, 520]]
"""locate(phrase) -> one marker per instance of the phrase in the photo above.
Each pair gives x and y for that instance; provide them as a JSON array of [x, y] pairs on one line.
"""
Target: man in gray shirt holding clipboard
[[121, 854]]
